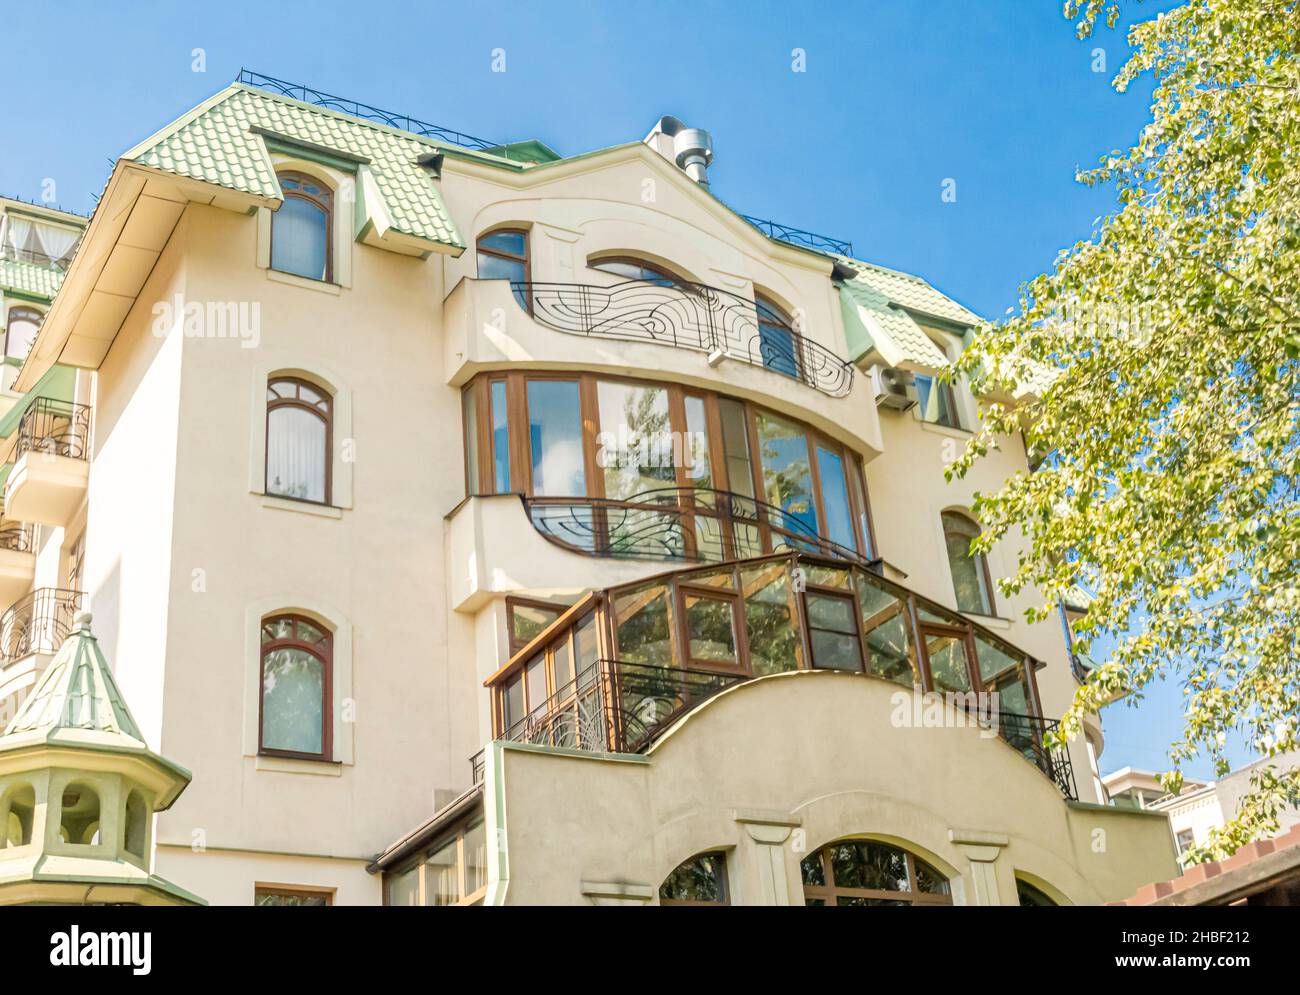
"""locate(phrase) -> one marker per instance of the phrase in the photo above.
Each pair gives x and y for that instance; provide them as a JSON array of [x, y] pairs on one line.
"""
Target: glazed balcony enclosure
[[621, 666], [703, 339], [48, 479]]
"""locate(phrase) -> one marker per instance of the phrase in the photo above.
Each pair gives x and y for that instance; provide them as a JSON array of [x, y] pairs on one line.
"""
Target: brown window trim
[[326, 656], [326, 415], [420, 865], [325, 205], [730, 595], [850, 595], [981, 561], [830, 892], [723, 885], [526, 258], [513, 602], [520, 456]]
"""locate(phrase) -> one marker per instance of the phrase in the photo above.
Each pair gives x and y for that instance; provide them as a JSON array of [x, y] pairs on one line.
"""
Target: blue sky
[[897, 97]]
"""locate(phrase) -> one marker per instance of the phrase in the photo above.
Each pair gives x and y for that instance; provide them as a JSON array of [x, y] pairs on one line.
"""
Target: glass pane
[[635, 446], [699, 879], [695, 447], [496, 268], [929, 880], [535, 680], [829, 612], [860, 864], [1004, 674], [475, 856], [811, 870], [442, 879], [787, 480], [835, 497], [500, 439], [968, 579], [404, 888], [833, 651], [514, 702], [562, 664], [293, 689], [934, 401], [889, 634], [300, 239], [20, 333], [510, 242], [774, 645], [469, 416], [948, 663], [295, 454], [711, 628], [555, 438], [735, 446], [529, 620], [644, 626], [776, 346], [588, 651], [283, 899]]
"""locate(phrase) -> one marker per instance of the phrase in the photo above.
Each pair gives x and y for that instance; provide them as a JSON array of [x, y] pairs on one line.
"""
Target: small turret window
[[16, 810], [79, 815]]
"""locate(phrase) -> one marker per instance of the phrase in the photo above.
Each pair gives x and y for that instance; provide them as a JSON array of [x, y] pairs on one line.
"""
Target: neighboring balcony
[[703, 337], [31, 632], [625, 664], [48, 480], [17, 560]]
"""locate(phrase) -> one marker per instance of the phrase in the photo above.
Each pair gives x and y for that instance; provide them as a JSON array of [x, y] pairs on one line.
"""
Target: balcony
[[31, 632], [48, 480], [622, 666], [17, 560]]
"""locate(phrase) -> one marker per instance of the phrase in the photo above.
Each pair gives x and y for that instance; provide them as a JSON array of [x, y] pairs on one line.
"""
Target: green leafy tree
[[1154, 373]]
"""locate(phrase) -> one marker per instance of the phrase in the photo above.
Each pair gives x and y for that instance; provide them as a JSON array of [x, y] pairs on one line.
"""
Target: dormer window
[[301, 230]]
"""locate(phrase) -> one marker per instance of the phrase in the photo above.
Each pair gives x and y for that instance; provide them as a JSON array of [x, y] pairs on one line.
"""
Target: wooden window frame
[[326, 205], [830, 892], [296, 891], [723, 885], [526, 258], [731, 596], [324, 652], [420, 864], [981, 562], [850, 595], [326, 415], [513, 602], [782, 321]]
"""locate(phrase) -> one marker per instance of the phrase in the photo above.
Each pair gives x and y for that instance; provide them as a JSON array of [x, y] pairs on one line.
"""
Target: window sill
[[939, 429], [989, 621], [301, 281], [288, 765], [303, 507]]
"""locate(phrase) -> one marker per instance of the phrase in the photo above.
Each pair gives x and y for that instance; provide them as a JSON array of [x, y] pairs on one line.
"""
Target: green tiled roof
[[872, 321], [910, 292], [217, 143], [29, 278], [77, 691]]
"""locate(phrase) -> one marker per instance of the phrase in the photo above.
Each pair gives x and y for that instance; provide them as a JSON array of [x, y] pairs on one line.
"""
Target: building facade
[[483, 525]]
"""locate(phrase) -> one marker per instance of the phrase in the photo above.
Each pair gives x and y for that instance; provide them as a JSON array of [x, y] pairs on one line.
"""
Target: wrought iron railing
[[613, 707], [55, 428], [310, 95], [688, 316], [38, 622], [696, 525], [16, 537], [1026, 733], [798, 236]]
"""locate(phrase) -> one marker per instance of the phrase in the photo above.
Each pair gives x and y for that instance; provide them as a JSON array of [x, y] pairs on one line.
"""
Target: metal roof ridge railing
[[800, 236], [367, 112]]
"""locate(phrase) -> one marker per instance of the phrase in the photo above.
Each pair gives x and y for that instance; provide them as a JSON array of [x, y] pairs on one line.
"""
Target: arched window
[[503, 255], [970, 571], [302, 229], [20, 331], [79, 815], [702, 880], [297, 688], [298, 440], [1027, 894], [866, 872], [776, 341], [631, 268], [137, 816], [17, 810]]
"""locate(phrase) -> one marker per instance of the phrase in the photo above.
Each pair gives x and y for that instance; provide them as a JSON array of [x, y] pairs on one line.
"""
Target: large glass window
[[833, 631], [635, 446], [890, 653], [301, 228], [787, 476], [644, 627], [500, 437], [772, 634], [866, 872], [503, 255], [555, 438], [701, 880], [971, 582], [835, 497], [469, 417], [298, 441], [296, 707], [20, 331], [776, 338]]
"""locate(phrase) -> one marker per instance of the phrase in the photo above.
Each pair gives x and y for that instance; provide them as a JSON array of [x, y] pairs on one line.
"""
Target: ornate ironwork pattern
[[797, 236], [688, 316], [1025, 733], [310, 95], [56, 428], [16, 538], [38, 622], [697, 525]]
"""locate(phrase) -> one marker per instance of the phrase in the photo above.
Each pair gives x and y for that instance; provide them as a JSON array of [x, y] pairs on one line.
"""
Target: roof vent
[[691, 149]]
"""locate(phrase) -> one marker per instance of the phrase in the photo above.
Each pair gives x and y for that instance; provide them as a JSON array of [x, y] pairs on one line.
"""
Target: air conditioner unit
[[892, 387]]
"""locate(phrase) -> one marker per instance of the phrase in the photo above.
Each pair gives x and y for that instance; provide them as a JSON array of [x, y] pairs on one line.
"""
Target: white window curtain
[[295, 454]]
